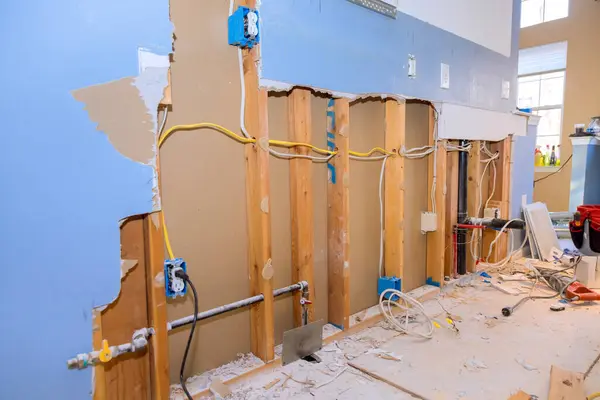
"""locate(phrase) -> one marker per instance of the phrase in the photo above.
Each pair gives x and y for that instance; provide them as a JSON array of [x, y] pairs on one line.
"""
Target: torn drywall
[[126, 111]]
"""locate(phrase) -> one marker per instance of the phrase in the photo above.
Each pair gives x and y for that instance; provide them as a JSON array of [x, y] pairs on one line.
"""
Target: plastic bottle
[[553, 156], [547, 156], [538, 158]]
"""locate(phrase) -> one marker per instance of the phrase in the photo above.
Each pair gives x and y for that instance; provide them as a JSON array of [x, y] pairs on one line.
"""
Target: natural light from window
[[535, 12], [543, 94]]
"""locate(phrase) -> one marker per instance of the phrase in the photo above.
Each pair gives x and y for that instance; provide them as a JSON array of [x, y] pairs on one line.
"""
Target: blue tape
[[331, 169], [431, 282]]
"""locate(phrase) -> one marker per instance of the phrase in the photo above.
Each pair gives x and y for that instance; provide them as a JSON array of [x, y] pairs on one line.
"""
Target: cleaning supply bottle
[[547, 156], [553, 156], [538, 158]]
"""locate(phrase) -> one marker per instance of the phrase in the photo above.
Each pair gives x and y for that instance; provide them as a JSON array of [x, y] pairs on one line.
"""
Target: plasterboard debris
[[198, 383], [525, 364], [473, 364], [271, 384]]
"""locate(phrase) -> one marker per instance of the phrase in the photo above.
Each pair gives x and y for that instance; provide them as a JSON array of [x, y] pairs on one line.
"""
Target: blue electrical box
[[174, 286], [243, 28], [388, 282]]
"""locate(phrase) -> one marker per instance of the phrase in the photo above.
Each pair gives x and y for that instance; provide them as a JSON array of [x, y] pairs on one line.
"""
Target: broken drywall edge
[[121, 114], [151, 84], [278, 86], [126, 266]]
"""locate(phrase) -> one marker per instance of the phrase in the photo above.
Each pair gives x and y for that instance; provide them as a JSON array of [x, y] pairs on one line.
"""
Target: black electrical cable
[[185, 277], [555, 172]]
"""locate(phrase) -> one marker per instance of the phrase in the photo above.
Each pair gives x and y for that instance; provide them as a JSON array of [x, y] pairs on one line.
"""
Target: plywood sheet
[[203, 184], [366, 131]]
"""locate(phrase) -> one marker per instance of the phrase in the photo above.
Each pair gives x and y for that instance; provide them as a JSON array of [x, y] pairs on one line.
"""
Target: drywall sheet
[[460, 122], [65, 184], [487, 23], [339, 46]]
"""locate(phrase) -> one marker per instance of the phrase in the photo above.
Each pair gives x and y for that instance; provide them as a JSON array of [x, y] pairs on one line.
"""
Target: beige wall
[[582, 88]]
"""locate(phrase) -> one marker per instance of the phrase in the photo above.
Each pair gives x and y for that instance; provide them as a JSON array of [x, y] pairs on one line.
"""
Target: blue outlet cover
[[238, 28], [169, 265], [388, 282]]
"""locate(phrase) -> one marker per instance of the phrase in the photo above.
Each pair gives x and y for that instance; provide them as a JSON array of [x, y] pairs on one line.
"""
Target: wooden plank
[[451, 212], [128, 377], [473, 178], [157, 306], [435, 240], [387, 381], [565, 385], [395, 131], [301, 199], [257, 205], [338, 231]]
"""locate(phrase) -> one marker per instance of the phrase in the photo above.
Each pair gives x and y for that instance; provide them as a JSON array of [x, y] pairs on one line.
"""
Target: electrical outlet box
[[428, 222], [388, 282], [505, 90], [492, 212], [174, 286], [412, 66], [243, 28], [445, 76]]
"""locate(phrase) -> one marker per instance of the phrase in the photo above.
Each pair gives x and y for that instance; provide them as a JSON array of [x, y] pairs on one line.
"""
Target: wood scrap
[[219, 389], [520, 395], [384, 380], [587, 372], [565, 385], [271, 384]]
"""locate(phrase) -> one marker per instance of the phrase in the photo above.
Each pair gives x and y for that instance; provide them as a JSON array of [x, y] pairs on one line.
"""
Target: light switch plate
[[445, 76], [412, 66]]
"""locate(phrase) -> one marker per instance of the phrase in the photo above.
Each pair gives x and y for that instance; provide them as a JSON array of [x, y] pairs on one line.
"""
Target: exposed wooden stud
[[338, 231], [451, 212], [99, 375], [258, 209], [301, 199], [395, 131], [435, 240], [473, 177], [501, 198], [157, 306]]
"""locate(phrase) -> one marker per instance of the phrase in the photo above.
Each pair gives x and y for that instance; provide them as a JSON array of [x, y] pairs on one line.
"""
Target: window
[[541, 88], [535, 12], [544, 93]]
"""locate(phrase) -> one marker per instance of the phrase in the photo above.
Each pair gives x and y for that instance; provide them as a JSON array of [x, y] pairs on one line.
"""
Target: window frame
[[560, 106], [543, 19]]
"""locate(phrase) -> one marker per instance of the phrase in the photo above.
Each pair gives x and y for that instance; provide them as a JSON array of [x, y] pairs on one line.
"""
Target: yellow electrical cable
[[594, 396], [245, 140], [166, 236]]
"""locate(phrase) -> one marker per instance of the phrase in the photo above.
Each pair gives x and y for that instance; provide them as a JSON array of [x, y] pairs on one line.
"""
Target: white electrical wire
[[504, 261], [435, 154], [411, 310], [288, 156], [381, 216]]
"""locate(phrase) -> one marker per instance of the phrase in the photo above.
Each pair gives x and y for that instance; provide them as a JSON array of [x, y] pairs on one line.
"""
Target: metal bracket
[[301, 342], [379, 6]]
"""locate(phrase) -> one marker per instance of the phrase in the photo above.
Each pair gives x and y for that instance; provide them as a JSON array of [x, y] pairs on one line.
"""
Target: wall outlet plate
[[428, 222], [174, 286], [445, 76], [412, 66], [505, 90], [492, 212]]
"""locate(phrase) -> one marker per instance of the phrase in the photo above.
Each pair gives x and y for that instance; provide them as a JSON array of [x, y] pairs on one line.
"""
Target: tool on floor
[[577, 292]]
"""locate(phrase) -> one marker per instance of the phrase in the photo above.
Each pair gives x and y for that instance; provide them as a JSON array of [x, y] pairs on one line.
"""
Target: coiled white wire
[[410, 310]]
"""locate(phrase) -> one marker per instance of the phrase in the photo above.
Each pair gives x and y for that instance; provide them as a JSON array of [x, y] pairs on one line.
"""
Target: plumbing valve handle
[[106, 353]]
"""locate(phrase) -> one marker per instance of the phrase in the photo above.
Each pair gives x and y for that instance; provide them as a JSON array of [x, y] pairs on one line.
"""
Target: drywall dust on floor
[[487, 357]]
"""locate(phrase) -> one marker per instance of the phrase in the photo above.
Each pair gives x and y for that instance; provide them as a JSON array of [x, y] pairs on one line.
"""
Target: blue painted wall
[[64, 187], [522, 176], [339, 46]]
